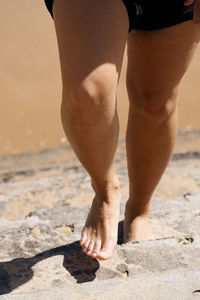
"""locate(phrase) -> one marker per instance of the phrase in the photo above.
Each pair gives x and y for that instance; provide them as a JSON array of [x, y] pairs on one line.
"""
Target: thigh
[[91, 39], [157, 61]]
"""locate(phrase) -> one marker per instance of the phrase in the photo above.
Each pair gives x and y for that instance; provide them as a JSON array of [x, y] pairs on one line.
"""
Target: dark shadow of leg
[[18, 271]]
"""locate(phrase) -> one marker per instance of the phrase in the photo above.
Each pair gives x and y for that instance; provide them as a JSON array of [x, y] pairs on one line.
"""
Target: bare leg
[[91, 38], [157, 61]]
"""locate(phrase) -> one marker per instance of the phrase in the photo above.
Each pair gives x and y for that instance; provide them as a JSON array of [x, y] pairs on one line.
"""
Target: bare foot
[[99, 235], [136, 227]]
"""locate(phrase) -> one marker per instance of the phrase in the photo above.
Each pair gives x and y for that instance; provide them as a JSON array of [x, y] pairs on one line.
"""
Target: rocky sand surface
[[44, 200]]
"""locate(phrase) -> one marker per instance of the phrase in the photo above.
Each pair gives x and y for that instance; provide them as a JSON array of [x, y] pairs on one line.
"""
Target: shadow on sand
[[18, 271], [83, 268]]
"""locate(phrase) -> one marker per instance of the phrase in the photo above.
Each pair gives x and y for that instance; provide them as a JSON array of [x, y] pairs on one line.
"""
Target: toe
[[90, 247], [96, 249], [85, 245], [83, 238], [104, 254], [107, 250]]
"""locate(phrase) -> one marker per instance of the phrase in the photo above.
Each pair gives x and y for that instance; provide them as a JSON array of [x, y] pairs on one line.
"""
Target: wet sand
[[30, 82]]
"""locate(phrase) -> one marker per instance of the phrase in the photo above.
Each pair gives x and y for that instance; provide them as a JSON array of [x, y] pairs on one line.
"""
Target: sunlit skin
[[91, 40]]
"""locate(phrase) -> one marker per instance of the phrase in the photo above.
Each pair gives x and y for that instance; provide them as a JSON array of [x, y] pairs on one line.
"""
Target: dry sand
[[30, 82]]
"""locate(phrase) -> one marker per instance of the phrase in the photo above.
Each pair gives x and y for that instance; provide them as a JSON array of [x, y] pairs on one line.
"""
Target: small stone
[[125, 274], [196, 293]]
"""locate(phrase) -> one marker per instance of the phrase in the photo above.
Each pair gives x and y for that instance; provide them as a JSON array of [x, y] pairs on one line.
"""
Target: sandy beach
[[30, 82]]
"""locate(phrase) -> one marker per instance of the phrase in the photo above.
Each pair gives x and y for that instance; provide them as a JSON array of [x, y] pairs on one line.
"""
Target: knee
[[155, 107], [89, 97], [159, 108]]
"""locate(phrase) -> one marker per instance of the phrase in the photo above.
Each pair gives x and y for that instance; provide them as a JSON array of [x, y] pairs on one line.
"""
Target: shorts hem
[[148, 28]]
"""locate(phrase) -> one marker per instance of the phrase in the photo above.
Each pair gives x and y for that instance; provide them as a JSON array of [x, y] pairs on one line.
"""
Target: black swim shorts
[[152, 14]]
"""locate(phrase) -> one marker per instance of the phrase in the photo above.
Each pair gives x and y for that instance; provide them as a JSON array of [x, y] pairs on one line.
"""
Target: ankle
[[134, 210], [105, 188]]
